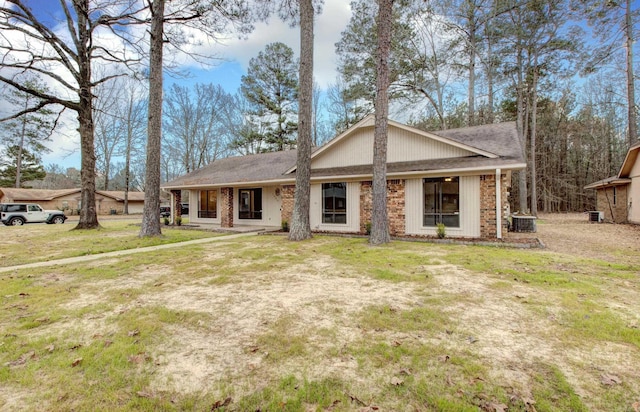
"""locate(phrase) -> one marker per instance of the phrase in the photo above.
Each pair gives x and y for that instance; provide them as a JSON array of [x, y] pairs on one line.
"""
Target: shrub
[[367, 228], [285, 226], [166, 221], [441, 231], [179, 220]]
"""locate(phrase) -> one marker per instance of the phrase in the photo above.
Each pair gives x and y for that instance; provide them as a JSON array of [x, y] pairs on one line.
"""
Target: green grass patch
[[60, 241], [294, 394], [552, 392], [283, 342]]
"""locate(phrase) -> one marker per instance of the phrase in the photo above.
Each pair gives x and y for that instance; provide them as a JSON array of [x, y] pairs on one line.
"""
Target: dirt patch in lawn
[[309, 299], [242, 331], [573, 234]]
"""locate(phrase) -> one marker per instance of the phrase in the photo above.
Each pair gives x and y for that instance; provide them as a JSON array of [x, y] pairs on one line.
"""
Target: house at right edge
[[617, 195]]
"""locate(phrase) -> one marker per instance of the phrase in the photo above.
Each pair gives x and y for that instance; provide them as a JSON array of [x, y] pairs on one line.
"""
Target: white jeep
[[17, 214]]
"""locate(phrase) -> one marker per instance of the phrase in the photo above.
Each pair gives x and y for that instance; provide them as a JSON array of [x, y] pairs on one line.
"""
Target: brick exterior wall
[[226, 207], [177, 203], [287, 192], [617, 212], [488, 206], [488, 218], [395, 206]]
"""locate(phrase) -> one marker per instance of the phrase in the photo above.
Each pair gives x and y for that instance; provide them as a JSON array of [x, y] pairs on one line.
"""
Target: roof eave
[[449, 171], [601, 184]]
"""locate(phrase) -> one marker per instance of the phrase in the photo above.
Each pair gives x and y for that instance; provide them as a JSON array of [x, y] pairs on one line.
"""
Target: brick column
[[226, 207], [395, 206], [488, 219], [177, 204], [504, 196], [286, 210], [366, 204]]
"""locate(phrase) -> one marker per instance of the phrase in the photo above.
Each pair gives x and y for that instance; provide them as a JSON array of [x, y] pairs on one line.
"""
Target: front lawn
[[261, 323]]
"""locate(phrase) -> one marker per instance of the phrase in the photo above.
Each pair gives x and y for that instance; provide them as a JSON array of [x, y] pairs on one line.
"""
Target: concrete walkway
[[87, 258]]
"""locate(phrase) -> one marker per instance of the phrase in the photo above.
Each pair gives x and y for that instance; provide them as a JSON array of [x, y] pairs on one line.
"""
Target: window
[[441, 201], [208, 207], [250, 204], [334, 203], [34, 208]]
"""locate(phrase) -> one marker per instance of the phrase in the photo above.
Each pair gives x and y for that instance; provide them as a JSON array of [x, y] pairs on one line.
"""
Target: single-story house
[[68, 200], [458, 177], [616, 195]]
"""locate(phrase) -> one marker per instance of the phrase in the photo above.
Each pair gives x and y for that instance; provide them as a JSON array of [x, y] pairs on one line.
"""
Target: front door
[[250, 206]]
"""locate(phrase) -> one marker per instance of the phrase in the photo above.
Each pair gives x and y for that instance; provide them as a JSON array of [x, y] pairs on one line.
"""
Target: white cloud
[[328, 27]]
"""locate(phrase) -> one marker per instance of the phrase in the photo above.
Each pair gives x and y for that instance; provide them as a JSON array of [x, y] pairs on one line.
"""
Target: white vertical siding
[[194, 205], [469, 209], [271, 208], [403, 146], [355, 150], [633, 196], [353, 210]]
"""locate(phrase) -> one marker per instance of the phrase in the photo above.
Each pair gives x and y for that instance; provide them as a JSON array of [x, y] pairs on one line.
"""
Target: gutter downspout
[[499, 203]]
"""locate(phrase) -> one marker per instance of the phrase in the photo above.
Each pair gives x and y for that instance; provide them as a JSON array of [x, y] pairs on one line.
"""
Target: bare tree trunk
[[472, 69], [379, 216], [88, 213], [21, 146], [522, 126], [300, 225], [151, 212], [532, 150], [631, 94]]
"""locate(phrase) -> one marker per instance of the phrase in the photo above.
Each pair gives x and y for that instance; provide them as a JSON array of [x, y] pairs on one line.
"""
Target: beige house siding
[[271, 208], [469, 209], [194, 206], [633, 200], [68, 204], [405, 147], [353, 210]]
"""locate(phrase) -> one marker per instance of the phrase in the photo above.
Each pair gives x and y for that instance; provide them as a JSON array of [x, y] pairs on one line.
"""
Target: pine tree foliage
[[271, 87], [31, 169]]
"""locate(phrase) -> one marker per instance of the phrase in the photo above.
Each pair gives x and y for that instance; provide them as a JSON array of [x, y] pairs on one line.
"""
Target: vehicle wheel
[[57, 220], [16, 221]]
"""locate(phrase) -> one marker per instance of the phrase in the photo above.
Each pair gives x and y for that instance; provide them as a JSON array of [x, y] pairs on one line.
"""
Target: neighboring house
[[458, 177], [616, 195], [68, 200]]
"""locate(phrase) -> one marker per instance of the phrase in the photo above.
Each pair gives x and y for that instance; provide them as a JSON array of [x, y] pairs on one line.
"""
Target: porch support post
[[176, 204], [498, 203], [226, 218]]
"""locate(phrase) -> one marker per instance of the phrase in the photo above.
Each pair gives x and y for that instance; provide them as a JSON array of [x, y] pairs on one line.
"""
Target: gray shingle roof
[[499, 139], [237, 170], [34, 195]]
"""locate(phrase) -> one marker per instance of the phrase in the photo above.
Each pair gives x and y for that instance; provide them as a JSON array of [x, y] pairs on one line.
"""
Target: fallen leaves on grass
[[396, 381], [610, 380], [221, 404], [22, 359], [139, 358]]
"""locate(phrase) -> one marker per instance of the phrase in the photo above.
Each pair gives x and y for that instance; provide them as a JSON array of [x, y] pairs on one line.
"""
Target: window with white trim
[[334, 203], [441, 201]]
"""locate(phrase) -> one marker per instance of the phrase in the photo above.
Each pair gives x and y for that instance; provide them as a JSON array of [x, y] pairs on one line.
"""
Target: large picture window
[[208, 207], [441, 201], [334, 203], [250, 206]]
